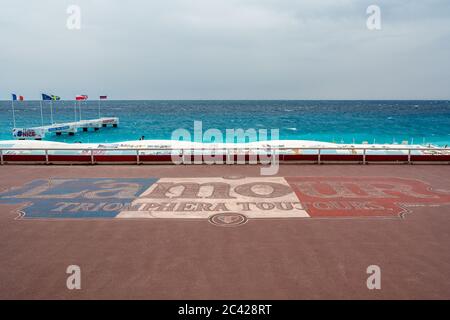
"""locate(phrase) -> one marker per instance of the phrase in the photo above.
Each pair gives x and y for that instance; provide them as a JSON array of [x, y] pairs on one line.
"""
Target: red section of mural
[[363, 196]]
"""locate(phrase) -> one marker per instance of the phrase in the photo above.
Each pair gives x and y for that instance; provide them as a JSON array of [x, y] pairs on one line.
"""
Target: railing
[[164, 155]]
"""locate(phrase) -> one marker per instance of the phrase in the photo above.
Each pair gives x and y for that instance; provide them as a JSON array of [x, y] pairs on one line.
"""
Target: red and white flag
[[81, 97]]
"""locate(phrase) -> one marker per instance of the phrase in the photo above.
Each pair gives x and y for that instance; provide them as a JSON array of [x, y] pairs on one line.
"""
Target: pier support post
[[85, 129], [104, 125], [115, 125], [58, 133], [96, 129], [71, 133]]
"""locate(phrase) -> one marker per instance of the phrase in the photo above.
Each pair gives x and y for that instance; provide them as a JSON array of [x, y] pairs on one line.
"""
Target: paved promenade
[[225, 232]]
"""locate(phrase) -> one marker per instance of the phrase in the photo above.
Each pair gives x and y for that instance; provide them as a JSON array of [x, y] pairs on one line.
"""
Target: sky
[[226, 49]]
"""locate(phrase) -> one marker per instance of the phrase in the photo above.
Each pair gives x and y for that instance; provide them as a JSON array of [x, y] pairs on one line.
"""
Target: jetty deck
[[38, 133], [111, 222]]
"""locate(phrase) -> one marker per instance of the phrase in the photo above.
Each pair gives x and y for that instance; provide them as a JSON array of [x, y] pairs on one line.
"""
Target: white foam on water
[[172, 144]]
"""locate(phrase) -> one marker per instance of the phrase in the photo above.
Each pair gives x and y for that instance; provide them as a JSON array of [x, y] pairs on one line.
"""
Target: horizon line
[[424, 99]]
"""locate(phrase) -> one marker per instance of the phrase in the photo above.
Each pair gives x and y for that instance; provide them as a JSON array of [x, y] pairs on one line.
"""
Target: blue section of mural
[[77, 198]]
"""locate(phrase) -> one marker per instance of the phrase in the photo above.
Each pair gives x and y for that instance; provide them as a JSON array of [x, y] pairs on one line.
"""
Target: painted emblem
[[223, 201], [229, 219]]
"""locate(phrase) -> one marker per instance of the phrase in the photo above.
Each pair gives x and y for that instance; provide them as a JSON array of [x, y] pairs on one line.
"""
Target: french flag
[[15, 97]]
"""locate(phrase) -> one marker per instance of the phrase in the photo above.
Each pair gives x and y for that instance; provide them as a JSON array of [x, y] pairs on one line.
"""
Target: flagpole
[[75, 109], [79, 105], [61, 102], [42, 115], [51, 111], [14, 114], [99, 108]]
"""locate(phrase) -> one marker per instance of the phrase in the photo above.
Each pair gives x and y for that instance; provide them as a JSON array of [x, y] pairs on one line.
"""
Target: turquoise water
[[331, 121]]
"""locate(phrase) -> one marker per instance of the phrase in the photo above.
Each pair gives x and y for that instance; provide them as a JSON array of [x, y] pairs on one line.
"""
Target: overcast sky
[[226, 49]]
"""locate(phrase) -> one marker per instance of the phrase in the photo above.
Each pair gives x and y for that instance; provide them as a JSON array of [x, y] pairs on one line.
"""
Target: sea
[[418, 122]]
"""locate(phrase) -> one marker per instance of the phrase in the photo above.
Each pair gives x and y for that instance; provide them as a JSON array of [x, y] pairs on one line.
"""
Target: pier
[[70, 128]]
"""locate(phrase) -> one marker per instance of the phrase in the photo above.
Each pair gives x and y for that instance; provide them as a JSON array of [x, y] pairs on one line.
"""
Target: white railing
[[250, 151]]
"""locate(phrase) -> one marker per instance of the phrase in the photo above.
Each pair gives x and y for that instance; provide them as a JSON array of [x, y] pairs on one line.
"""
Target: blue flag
[[14, 97], [46, 97]]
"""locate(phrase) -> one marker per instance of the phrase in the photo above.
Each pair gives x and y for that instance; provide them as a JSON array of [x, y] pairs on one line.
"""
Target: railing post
[[318, 156], [364, 156], [1, 157], [92, 156], [46, 156], [137, 157]]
